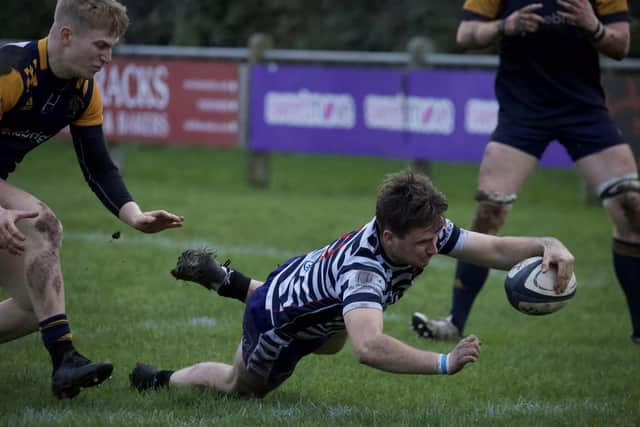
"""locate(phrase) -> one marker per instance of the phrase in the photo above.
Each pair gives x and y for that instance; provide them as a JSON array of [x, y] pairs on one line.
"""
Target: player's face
[[416, 248], [88, 52]]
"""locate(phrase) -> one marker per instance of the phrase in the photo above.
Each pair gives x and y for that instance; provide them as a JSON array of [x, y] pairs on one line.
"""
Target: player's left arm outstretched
[[504, 252], [106, 182]]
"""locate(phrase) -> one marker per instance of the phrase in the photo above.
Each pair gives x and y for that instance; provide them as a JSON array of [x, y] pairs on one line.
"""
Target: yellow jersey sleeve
[[609, 7], [92, 115], [487, 8], [11, 87]]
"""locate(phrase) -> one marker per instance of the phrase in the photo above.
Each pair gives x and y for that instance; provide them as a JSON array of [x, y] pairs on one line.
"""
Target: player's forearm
[[389, 354], [511, 250], [99, 171], [614, 42], [477, 34], [501, 252]]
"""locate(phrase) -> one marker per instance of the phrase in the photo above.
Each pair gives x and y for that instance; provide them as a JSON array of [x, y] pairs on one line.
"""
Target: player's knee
[[492, 211], [623, 194], [47, 226], [241, 388], [630, 205]]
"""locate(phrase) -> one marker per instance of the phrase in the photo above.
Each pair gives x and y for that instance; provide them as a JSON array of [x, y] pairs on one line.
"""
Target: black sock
[[469, 280], [626, 262], [56, 336], [237, 287], [162, 378]]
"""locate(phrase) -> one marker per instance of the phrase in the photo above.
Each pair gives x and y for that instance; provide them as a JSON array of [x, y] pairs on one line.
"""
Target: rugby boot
[[77, 372]]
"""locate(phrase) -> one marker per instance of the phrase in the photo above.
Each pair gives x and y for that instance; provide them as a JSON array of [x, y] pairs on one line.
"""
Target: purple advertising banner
[[440, 115]]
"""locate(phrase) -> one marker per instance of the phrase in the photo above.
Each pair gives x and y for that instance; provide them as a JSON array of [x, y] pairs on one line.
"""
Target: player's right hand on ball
[[11, 238], [466, 351]]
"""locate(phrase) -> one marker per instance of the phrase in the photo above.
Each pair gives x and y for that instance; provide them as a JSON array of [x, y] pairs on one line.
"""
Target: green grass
[[576, 367]]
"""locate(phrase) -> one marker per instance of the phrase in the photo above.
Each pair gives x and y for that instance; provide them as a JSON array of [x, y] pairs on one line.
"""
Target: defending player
[[548, 87], [312, 302], [45, 86]]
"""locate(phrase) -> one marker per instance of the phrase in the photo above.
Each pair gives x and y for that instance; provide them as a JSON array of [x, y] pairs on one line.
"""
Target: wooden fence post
[[418, 47], [258, 162]]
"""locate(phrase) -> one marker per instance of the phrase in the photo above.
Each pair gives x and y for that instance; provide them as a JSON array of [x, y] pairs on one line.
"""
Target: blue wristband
[[444, 364]]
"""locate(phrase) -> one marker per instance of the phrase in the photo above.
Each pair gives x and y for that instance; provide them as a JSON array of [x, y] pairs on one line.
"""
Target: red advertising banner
[[170, 101]]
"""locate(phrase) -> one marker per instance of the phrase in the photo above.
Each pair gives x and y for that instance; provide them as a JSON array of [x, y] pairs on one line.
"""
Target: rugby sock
[[56, 336], [469, 280], [237, 287], [626, 262], [162, 378]]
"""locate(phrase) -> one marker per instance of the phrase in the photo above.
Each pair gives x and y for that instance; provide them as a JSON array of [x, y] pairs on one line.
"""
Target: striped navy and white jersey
[[308, 297]]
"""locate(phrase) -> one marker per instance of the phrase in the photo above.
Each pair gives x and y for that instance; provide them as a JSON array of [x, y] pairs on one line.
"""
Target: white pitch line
[[168, 243]]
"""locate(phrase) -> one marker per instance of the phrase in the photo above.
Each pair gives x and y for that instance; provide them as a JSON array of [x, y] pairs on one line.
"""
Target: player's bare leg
[[33, 279], [15, 320], [228, 379], [613, 172], [200, 266]]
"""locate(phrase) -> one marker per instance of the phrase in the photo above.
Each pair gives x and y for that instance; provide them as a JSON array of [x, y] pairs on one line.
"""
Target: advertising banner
[[420, 114], [175, 101]]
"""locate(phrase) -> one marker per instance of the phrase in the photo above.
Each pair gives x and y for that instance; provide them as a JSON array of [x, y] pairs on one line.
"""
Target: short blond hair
[[82, 15]]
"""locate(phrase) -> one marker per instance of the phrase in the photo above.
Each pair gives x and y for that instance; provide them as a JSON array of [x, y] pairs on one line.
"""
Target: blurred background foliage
[[366, 25]]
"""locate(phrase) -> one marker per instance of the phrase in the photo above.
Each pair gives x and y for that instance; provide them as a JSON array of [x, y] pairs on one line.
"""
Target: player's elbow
[[620, 53], [619, 48], [624, 52], [466, 35], [365, 357], [464, 39], [367, 351]]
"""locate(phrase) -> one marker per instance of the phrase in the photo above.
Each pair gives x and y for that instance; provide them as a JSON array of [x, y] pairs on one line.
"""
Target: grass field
[[575, 367]]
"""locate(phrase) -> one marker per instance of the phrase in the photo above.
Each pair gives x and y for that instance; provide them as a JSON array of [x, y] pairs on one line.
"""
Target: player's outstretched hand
[[466, 351], [155, 221], [556, 253], [11, 238]]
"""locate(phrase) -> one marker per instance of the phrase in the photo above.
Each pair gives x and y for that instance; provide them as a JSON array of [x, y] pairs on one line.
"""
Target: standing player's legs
[[34, 283], [613, 172], [33, 279], [502, 172]]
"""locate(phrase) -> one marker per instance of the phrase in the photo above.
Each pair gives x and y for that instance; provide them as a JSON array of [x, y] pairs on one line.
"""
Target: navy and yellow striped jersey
[[554, 71], [308, 297], [35, 105]]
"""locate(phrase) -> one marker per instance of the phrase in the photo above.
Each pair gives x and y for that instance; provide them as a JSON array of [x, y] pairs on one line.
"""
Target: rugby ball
[[530, 291]]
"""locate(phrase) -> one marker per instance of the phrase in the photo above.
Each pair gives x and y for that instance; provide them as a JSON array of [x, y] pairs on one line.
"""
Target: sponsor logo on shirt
[[26, 134]]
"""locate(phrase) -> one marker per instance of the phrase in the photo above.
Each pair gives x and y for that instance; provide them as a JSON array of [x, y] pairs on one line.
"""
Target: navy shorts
[[581, 135], [268, 352]]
